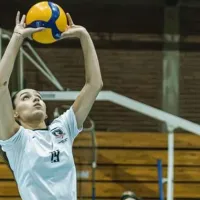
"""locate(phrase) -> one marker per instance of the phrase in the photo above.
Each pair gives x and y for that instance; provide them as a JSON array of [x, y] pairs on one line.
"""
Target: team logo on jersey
[[58, 133]]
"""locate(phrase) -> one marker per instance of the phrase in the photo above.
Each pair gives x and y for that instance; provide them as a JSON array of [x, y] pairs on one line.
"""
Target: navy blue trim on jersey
[[56, 33], [41, 129]]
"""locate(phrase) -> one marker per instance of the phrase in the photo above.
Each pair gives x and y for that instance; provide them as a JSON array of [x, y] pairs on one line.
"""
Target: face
[[29, 106]]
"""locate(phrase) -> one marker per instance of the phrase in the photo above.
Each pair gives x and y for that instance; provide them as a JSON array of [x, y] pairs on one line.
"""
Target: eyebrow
[[29, 93], [23, 93]]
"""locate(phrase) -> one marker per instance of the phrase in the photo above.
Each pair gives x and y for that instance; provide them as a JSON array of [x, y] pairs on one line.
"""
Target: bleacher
[[127, 161]]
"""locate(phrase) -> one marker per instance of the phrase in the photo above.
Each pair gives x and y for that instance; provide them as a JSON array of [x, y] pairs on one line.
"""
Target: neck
[[32, 126]]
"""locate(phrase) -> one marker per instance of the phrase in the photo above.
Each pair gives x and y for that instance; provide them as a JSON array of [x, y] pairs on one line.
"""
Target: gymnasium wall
[[134, 73]]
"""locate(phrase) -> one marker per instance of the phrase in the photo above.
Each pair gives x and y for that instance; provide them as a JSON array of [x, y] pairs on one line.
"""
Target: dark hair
[[13, 99], [129, 194], [13, 103]]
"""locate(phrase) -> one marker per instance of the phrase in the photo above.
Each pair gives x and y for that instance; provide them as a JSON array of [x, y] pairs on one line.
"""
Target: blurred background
[[149, 50]]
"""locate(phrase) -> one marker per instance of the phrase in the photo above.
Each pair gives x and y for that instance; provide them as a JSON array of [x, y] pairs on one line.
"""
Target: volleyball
[[49, 15]]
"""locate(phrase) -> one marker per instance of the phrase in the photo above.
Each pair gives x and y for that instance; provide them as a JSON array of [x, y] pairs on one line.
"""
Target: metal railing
[[171, 121]]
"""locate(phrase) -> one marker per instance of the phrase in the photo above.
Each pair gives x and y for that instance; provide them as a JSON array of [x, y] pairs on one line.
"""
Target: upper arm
[[84, 103], [8, 125]]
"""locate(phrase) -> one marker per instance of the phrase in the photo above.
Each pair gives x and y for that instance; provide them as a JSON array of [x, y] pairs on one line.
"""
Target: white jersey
[[42, 160]]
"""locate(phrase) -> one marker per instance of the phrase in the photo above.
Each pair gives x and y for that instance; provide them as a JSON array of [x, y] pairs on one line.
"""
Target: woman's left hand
[[73, 31]]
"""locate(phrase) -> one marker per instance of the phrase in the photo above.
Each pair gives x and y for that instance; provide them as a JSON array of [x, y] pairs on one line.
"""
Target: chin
[[39, 114]]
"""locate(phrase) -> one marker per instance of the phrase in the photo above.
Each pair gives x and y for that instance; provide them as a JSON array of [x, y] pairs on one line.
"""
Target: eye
[[25, 97]]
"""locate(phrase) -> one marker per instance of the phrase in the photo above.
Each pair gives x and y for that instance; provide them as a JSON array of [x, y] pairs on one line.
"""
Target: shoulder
[[18, 140], [65, 119]]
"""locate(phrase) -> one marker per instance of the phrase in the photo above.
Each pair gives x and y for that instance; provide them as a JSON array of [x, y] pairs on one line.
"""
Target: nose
[[36, 99]]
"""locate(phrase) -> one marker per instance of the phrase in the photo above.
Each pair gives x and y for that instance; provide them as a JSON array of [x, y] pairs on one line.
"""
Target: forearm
[[92, 69], [9, 57]]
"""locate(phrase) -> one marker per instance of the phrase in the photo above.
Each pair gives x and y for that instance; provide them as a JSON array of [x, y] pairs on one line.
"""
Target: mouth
[[37, 105]]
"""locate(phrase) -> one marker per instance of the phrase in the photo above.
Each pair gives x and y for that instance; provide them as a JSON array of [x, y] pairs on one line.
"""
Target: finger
[[71, 23], [34, 30], [69, 33], [23, 20], [17, 18], [39, 29]]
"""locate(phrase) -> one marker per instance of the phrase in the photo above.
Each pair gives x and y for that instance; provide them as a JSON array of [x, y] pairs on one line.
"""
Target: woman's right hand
[[20, 27]]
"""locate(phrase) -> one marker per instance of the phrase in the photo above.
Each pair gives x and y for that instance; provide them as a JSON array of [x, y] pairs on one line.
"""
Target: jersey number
[[55, 156]]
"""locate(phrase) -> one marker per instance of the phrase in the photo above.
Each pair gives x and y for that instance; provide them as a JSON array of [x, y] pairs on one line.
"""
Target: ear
[[46, 116], [15, 114]]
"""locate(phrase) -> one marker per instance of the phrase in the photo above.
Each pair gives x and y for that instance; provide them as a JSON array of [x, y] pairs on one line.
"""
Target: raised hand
[[20, 27], [72, 30]]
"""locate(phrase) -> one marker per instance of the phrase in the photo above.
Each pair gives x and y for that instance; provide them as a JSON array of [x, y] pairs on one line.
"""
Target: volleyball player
[[40, 156]]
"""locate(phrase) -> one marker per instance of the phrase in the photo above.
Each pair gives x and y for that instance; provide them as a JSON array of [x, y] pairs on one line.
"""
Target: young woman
[[41, 157]]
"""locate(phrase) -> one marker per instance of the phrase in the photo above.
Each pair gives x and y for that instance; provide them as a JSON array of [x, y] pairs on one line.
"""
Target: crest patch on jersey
[[58, 132]]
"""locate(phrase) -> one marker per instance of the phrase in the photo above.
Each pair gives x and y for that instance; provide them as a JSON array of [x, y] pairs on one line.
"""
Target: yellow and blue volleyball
[[49, 15]]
